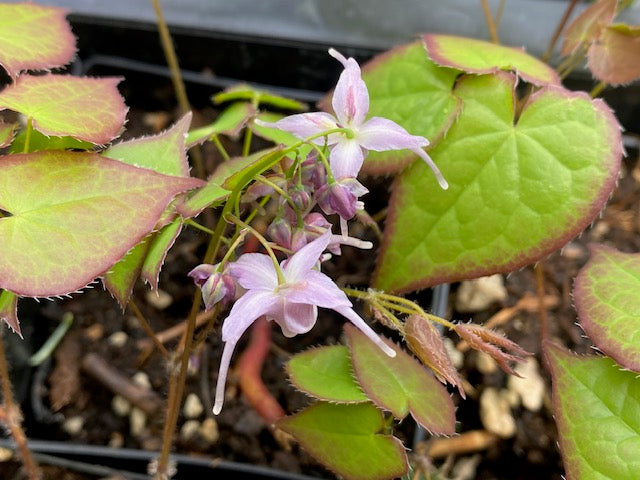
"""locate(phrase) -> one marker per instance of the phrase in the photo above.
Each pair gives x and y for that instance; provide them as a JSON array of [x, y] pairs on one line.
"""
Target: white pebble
[[531, 387], [477, 295], [73, 425], [485, 363], [142, 379], [159, 299], [5, 455], [209, 430], [189, 430], [495, 413], [137, 421], [120, 406], [118, 339], [192, 406]]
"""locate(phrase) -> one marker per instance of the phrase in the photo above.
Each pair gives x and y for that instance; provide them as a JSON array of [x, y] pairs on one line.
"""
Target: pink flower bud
[[216, 286], [341, 197], [280, 231]]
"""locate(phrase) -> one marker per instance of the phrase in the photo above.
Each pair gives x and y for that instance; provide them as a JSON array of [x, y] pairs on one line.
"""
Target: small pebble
[[137, 421], [159, 299], [118, 339], [456, 356], [495, 413], [209, 431], [531, 387], [132, 322], [189, 430], [95, 332], [599, 231], [120, 406], [192, 406], [477, 295], [116, 440], [574, 251], [142, 379], [485, 363], [5, 455], [73, 425]]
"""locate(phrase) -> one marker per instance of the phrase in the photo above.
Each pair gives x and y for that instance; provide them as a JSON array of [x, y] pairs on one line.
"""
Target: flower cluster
[[290, 291]]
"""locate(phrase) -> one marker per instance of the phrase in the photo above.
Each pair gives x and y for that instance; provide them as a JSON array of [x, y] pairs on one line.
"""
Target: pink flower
[[292, 304], [351, 104]]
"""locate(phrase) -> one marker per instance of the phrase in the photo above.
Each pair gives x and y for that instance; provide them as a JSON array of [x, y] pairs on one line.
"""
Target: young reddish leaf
[[400, 384], [588, 25], [426, 342], [72, 216], [518, 190], [9, 310], [606, 298], [494, 344], [160, 245], [7, 132], [597, 408], [615, 57], [88, 109], [345, 439], [476, 56], [121, 278], [164, 153], [326, 374], [229, 122], [408, 88], [33, 37]]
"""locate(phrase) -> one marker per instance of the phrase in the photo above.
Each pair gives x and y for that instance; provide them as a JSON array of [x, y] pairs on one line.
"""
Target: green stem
[[27, 135], [595, 91], [194, 224], [223, 151], [246, 147], [52, 342]]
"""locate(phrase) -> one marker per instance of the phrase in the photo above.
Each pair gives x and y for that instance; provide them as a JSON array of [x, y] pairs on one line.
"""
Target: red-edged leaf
[[89, 109], [9, 310], [121, 278], [615, 56], [164, 153], [72, 216], [588, 25], [33, 37], [7, 132], [476, 56], [160, 245], [400, 384]]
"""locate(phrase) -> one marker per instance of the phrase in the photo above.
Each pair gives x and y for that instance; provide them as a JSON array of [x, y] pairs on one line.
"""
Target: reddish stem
[[249, 370]]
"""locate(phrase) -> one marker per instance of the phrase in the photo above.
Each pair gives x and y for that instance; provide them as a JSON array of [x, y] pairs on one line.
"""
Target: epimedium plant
[[511, 175]]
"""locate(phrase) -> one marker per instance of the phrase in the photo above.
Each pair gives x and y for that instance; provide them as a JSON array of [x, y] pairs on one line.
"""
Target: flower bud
[[280, 231], [215, 286], [341, 197]]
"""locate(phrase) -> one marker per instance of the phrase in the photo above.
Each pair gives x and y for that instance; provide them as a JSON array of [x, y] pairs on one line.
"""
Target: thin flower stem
[[246, 147], [558, 31], [493, 31], [498, 16], [239, 237], [572, 62], [53, 341], [147, 328], [597, 90], [283, 194], [388, 314], [223, 151], [194, 224], [27, 135], [14, 417]]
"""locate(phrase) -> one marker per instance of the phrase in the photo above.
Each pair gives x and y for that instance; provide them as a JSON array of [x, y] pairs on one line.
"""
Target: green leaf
[[606, 298], [39, 141], [517, 191], [400, 384], [7, 132], [33, 37], [9, 310], [345, 439], [477, 56], [615, 57], [408, 88], [160, 245], [121, 278], [258, 97], [597, 408], [72, 216], [326, 374], [89, 109], [229, 122], [587, 26], [164, 153]]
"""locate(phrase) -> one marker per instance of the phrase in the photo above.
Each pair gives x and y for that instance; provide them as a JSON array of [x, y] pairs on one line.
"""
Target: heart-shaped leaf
[[121, 278], [9, 310], [408, 88], [516, 191], [615, 57], [7, 132], [345, 439], [606, 298], [164, 153], [588, 25], [229, 122], [33, 37], [72, 216], [88, 109], [476, 56], [597, 408], [158, 249], [400, 384], [326, 374]]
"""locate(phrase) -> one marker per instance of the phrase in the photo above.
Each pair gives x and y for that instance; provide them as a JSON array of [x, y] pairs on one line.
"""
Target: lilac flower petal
[[297, 267], [250, 306], [201, 273], [364, 328], [318, 290], [350, 98], [298, 318], [436, 171], [229, 347], [304, 125], [254, 270], [346, 159]]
